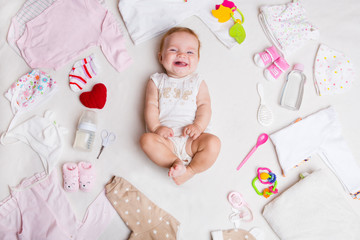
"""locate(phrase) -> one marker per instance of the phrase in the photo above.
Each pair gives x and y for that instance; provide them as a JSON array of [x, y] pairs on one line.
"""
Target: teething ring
[[237, 20], [270, 178], [273, 189], [266, 193], [224, 12], [266, 177]]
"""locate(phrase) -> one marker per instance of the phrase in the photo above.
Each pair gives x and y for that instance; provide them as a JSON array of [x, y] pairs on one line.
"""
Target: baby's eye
[[190, 52], [172, 50]]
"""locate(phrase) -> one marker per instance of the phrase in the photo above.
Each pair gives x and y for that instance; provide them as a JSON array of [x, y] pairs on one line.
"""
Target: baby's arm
[[203, 113], [151, 112]]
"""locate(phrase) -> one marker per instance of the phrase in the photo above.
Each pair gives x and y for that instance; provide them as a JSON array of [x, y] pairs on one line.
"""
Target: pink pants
[[38, 209]]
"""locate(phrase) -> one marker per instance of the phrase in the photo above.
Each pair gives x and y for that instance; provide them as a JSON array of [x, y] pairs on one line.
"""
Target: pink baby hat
[[87, 176], [333, 71]]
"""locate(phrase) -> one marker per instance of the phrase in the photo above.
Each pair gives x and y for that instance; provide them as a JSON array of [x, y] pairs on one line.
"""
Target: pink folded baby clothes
[[67, 28], [30, 10], [38, 209]]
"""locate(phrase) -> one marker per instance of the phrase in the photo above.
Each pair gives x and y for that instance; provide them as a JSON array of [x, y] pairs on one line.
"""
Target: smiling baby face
[[179, 54]]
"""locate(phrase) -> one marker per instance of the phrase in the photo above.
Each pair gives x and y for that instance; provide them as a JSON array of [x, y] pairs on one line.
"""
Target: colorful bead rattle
[[224, 12], [265, 176]]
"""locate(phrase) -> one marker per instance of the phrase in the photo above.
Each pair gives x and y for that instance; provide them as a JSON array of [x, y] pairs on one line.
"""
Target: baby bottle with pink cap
[[292, 93]]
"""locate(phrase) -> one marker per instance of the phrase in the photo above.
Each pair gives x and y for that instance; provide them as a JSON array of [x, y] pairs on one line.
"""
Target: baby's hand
[[164, 131], [193, 130]]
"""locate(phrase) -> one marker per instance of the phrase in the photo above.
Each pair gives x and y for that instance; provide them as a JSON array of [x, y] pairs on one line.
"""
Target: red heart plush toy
[[96, 98]]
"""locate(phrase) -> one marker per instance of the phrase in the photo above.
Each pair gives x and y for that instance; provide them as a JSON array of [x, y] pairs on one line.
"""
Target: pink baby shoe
[[71, 177], [87, 176], [273, 72], [264, 58]]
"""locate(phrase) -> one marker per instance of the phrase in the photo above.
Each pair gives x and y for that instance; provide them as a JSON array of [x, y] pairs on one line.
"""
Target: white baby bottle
[[85, 134]]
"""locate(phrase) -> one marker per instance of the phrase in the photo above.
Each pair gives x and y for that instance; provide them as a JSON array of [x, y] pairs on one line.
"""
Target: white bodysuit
[[177, 100], [177, 106]]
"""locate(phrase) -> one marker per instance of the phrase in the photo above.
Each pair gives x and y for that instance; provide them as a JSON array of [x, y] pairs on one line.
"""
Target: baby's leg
[[206, 149], [160, 151]]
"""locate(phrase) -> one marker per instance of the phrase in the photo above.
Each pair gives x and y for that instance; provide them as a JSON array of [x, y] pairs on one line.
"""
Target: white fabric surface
[[296, 214], [231, 75]]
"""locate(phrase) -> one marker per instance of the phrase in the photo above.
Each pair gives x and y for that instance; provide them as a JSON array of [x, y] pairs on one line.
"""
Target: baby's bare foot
[[177, 169], [189, 173]]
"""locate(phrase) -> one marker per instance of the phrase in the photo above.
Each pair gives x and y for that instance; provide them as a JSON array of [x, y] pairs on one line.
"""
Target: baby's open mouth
[[180, 64]]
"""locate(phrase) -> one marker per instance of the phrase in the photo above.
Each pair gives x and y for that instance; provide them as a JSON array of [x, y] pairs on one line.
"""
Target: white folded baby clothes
[[333, 72], [42, 134], [287, 26], [146, 19], [319, 133]]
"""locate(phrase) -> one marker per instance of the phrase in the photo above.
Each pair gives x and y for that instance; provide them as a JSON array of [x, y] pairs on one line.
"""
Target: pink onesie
[[67, 28], [38, 209]]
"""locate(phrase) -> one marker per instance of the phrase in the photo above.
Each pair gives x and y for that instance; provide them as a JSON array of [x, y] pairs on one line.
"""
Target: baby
[[178, 110]]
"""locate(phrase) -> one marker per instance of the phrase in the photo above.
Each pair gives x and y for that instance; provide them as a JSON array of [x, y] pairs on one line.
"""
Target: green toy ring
[[266, 192], [236, 20]]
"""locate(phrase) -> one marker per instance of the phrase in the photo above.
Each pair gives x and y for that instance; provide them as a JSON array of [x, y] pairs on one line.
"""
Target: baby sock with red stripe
[[82, 71]]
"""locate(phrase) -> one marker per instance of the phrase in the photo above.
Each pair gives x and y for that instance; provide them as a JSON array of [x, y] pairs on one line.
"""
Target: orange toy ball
[[264, 176]]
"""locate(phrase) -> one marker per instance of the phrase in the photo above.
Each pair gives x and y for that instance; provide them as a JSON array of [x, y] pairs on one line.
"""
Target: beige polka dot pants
[[143, 217]]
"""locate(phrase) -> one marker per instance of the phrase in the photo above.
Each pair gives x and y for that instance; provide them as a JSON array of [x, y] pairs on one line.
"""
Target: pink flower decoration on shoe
[[87, 176], [71, 177]]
